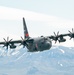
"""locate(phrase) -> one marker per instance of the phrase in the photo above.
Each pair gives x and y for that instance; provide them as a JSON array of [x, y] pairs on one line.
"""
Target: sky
[[43, 17], [60, 8]]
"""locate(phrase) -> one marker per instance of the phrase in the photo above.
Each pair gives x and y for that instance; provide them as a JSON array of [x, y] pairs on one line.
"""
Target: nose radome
[[49, 44]]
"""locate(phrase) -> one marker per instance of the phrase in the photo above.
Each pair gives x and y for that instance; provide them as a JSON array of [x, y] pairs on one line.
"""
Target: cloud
[[16, 14]]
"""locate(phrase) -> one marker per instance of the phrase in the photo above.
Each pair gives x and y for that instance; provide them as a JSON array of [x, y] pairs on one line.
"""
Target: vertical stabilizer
[[26, 35]]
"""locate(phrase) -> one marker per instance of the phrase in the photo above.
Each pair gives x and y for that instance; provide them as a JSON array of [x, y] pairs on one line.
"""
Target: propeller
[[7, 42], [56, 36], [23, 42], [71, 34]]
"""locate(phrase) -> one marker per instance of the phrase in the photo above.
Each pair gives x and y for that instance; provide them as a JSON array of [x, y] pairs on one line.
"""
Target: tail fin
[[26, 35]]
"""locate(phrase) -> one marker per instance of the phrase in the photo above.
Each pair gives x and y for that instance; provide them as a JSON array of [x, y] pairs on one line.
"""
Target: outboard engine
[[61, 39], [12, 46]]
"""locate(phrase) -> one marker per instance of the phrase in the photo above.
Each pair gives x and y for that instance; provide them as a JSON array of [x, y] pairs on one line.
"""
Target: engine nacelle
[[12, 46], [61, 40]]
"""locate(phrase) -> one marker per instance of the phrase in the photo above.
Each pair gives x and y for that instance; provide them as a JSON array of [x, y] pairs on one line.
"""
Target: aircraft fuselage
[[39, 44]]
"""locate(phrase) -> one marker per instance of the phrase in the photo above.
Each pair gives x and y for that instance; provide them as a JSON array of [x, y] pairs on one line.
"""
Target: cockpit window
[[42, 42], [45, 38]]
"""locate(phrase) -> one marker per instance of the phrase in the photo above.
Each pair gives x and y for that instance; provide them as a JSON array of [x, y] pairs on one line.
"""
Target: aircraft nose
[[48, 44]]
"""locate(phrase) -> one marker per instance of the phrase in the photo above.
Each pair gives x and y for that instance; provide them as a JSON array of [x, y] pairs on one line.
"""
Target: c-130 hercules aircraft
[[36, 44]]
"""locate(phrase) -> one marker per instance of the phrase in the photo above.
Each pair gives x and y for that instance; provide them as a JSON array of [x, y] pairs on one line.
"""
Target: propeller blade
[[22, 38], [69, 32], [55, 42], [23, 46], [57, 33], [7, 47], [7, 39], [70, 38], [20, 44], [10, 40], [72, 30], [54, 33], [4, 39]]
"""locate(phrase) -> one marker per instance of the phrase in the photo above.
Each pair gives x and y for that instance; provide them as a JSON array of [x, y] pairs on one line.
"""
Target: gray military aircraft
[[36, 44]]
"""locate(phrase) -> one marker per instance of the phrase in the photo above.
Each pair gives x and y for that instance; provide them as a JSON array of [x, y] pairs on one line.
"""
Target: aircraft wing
[[56, 36], [60, 38], [16, 41], [12, 42]]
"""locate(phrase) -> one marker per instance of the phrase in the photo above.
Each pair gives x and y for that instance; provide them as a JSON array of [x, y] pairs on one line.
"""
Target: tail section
[[26, 34]]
